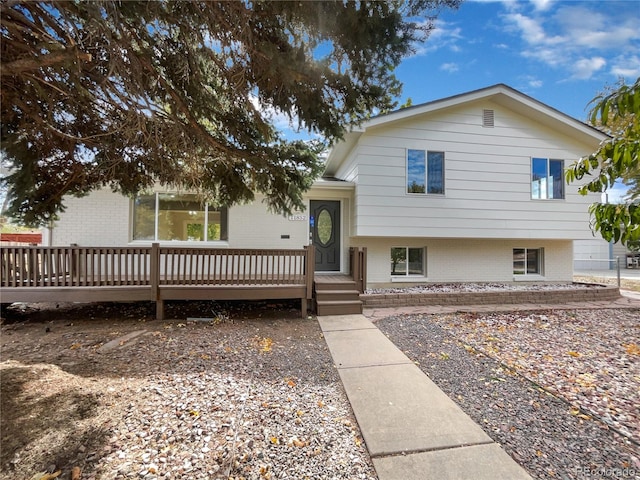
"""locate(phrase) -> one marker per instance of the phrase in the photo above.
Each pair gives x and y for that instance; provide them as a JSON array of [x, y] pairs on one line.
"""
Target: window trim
[[411, 276], [426, 172], [549, 184], [224, 216]]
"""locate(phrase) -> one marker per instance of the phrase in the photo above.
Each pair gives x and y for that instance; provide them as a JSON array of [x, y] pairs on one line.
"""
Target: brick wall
[[587, 294]]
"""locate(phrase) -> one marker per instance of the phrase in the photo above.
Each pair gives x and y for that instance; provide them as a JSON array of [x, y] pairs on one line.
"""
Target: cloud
[[443, 35], [584, 68], [576, 38], [450, 67], [535, 83], [542, 5], [532, 30], [628, 67]]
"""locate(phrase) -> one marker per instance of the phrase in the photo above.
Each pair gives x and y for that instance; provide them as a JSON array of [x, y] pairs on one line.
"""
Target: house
[[468, 188]]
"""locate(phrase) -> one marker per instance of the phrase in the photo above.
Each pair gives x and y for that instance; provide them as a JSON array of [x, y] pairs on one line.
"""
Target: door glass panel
[[325, 227]]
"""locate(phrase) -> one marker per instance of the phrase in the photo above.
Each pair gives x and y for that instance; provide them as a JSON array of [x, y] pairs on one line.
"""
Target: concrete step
[[338, 307]]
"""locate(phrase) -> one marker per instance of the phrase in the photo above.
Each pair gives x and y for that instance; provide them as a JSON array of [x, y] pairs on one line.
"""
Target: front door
[[324, 225]]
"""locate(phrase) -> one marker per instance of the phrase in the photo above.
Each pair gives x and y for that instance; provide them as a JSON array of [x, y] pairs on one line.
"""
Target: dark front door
[[324, 224]]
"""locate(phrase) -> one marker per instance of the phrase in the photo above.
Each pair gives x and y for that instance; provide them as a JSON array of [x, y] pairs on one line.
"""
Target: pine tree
[[126, 94]]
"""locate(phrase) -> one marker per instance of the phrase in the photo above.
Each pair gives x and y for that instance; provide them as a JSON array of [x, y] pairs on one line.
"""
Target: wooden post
[[154, 278], [309, 271], [354, 256], [363, 270]]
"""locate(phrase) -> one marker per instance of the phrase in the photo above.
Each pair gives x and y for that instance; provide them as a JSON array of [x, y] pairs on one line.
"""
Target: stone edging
[[592, 293]]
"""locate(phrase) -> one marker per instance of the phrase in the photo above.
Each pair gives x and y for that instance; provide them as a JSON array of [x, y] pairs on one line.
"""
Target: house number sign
[[297, 218]]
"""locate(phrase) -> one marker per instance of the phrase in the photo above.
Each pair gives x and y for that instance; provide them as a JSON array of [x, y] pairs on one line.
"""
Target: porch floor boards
[[332, 278]]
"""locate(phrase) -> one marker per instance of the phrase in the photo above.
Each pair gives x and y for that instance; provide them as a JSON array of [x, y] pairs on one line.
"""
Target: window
[[547, 178], [173, 217], [528, 261], [425, 172], [407, 261]]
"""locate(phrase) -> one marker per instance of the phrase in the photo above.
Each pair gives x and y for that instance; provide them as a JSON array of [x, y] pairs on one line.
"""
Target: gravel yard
[[583, 423], [251, 391], [252, 398]]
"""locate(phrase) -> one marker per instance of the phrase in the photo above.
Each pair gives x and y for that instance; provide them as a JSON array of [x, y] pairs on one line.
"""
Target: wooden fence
[[40, 274]]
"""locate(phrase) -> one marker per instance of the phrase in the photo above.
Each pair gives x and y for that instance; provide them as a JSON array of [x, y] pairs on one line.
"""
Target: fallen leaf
[[632, 349], [76, 473], [574, 354], [75, 346], [46, 476], [265, 345]]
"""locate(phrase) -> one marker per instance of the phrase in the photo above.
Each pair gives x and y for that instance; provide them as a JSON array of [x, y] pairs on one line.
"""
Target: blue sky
[[559, 52], [562, 53]]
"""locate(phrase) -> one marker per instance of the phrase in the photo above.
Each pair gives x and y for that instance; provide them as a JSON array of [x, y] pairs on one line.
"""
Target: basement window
[[528, 261], [407, 261]]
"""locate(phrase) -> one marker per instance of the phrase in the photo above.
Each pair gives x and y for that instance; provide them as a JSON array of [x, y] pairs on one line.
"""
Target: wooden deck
[[94, 274], [115, 274]]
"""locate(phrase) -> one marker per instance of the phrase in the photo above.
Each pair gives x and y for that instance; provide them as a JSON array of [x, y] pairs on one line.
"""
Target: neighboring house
[[598, 254], [467, 188], [20, 238]]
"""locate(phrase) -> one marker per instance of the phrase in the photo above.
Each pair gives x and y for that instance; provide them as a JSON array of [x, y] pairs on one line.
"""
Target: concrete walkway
[[412, 429]]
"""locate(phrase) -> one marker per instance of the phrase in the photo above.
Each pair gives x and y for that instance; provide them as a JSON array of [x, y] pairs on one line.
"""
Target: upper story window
[[177, 217], [547, 178], [425, 172]]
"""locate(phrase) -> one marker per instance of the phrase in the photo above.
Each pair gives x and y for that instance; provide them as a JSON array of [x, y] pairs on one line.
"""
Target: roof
[[501, 94]]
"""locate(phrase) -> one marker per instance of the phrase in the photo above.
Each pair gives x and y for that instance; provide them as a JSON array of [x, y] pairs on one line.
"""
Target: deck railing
[[75, 266], [193, 266], [29, 269]]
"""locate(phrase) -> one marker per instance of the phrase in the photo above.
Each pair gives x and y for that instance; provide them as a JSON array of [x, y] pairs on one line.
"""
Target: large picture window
[[174, 217], [547, 178], [407, 261], [425, 172], [528, 261]]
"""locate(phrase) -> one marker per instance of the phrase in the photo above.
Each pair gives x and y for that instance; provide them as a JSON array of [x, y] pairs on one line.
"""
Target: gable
[[477, 107]]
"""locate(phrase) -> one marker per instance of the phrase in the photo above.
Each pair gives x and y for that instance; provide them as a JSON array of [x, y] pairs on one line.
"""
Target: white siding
[[463, 260], [103, 218], [487, 179]]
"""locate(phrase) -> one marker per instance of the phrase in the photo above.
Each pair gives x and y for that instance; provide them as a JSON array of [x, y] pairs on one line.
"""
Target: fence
[[597, 267]]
